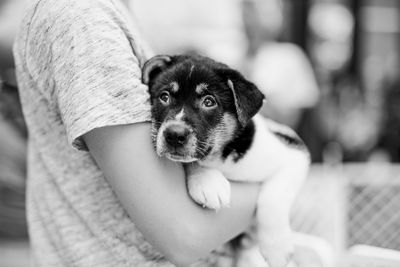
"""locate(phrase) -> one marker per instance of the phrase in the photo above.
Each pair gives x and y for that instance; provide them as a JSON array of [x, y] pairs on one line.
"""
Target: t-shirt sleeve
[[93, 71]]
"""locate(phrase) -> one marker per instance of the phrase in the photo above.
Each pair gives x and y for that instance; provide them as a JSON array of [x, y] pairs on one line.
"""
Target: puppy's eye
[[209, 102], [164, 97]]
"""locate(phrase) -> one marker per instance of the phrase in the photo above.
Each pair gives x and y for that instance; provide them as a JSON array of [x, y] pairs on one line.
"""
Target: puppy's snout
[[176, 135]]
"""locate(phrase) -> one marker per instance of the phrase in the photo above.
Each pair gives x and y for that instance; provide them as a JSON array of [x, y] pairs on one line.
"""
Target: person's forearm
[[153, 192], [177, 226]]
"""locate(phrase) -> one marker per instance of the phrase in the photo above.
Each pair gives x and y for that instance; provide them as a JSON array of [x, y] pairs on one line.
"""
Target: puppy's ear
[[248, 98], [154, 66]]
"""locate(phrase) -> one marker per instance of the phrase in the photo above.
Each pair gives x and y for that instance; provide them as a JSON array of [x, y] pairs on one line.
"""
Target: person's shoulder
[[55, 12], [54, 19], [70, 5]]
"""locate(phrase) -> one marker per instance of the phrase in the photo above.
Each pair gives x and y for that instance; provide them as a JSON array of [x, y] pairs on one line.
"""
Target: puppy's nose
[[176, 135]]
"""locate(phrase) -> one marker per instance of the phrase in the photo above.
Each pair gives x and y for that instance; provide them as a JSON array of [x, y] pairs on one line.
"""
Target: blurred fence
[[351, 204]]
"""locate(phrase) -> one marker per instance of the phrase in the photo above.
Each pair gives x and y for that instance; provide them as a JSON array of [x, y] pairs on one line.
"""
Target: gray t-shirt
[[78, 68]]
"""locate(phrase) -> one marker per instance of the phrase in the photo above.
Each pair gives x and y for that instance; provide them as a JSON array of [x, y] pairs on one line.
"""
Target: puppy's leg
[[250, 257], [208, 187], [248, 252], [275, 200]]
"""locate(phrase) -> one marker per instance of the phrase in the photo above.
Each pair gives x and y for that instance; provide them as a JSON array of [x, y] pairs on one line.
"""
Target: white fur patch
[[201, 87], [174, 87], [191, 71], [230, 84], [180, 115]]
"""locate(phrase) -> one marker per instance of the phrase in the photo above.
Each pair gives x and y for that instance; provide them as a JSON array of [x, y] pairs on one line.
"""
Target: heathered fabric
[[78, 68]]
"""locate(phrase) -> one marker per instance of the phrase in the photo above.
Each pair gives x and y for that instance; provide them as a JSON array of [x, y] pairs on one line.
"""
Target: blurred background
[[329, 69]]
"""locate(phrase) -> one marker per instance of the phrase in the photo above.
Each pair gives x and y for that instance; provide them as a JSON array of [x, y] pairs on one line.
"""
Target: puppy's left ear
[[154, 66], [248, 98]]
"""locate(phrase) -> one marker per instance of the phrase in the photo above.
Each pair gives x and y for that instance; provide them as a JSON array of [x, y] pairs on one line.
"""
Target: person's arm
[[94, 79], [153, 192]]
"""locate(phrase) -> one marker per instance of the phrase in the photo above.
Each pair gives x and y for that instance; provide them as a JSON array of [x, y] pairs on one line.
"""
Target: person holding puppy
[[97, 193]]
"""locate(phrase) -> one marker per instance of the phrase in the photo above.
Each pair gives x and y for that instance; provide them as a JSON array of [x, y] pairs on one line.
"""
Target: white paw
[[277, 250], [210, 189]]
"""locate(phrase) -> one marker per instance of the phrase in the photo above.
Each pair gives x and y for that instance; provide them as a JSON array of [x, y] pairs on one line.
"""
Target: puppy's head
[[198, 105]]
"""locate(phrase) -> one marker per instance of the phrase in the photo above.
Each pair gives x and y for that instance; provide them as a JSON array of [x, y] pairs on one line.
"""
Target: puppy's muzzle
[[176, 135]]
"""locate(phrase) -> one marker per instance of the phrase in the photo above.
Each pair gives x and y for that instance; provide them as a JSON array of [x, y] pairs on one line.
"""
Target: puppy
[[204, 115]]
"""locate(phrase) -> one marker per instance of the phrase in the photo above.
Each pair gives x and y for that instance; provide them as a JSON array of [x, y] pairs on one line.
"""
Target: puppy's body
[[265, 153], [204, 116]]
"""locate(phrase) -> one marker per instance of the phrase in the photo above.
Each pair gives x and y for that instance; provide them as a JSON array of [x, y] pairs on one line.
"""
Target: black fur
[[240, 144], [248, 98]]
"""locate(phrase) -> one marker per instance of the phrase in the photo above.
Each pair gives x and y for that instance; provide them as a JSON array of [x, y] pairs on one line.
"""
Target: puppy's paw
[[210, 189], [277, 251]]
